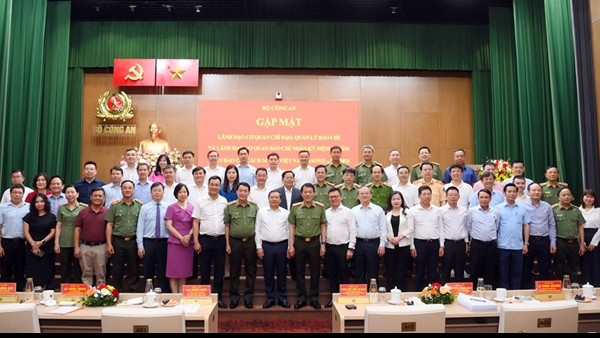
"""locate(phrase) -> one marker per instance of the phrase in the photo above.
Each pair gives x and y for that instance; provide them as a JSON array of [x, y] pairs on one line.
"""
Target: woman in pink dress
[[180, 250], [161, 163]]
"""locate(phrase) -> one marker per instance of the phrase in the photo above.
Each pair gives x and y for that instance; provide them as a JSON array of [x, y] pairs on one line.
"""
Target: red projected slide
[[282, 127]]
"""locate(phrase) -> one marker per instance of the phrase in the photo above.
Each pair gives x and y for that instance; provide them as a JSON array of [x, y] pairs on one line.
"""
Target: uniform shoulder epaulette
[[232, 202], [434, 163], [563, 184], [375, 162], [297, 204], [554, 205], [330, 184], [370, 184], [360, 163], [319, 203], [543, 184], [386, 184], [416, 165], [339, 186], [356, 185], [252, 202], [328, 164]]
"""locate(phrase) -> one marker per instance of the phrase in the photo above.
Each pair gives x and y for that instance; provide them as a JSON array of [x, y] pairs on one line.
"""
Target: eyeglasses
[[334, 196]]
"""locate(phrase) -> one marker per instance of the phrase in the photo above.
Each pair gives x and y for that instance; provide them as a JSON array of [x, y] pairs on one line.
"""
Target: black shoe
[[300, 304], [284, 304], [315, 304], [269, 304], [227, 277], [233, 304], [222, 305], [329, 304], [248, 304]]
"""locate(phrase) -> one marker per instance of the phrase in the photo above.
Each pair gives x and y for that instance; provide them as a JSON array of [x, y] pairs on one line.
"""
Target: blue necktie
[[157, 227]]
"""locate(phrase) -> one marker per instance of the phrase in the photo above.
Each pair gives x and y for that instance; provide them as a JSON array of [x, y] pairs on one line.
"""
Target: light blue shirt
[[56, 202], [497, 198], [111, 194], [11, 219], [370, 222], [247, 174], [510, 229], [147, 222], [142, 192], [542, 220], [483, 224]]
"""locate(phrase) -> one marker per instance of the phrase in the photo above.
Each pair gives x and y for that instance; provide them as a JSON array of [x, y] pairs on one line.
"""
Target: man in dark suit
[[289, 195]]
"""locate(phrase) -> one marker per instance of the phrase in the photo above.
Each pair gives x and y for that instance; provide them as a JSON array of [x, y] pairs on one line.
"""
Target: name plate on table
[[548, 290], [8, 293], [196, 294], [72, 292], [353, 294], [466, 288]]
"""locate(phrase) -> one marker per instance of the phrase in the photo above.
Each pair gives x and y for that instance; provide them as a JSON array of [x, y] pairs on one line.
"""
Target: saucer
[[151, 306], [401, 302], [50, 303], [499, 300]]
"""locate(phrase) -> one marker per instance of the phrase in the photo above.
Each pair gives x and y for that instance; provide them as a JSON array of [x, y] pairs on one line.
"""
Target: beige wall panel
[[423, 131], [418, 94], [220, 87], [595, 10], [264, 87], [339, 88]]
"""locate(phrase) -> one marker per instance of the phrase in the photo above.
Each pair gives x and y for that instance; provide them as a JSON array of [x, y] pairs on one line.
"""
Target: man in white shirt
[[112, 191], [304, 173], [130, 167], [391, 171], [456, 236], [521, 183], [17, 176], [408, 190], [184, 174], [209, 237], [259, 193], [518, 169], [199, 188], [274, 173], [489, 167], [213, 168], [169, 174], [466, 190]]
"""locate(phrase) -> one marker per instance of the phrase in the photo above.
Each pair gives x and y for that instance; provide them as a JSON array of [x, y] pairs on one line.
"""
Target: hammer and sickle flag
[[134, 72]]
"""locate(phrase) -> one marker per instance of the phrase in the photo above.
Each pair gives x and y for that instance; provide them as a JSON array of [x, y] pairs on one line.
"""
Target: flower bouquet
[[150, 158], [503, 170], [101, 295], [435, 293]]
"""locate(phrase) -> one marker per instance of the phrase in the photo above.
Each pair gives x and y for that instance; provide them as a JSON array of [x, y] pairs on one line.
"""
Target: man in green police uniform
[[570, 243], [307, 222], [381, 190], [322, 186], [240, 218], [335, 168], [363, 169], [349, 189], [425, 156], [121, 226], [551, 187]]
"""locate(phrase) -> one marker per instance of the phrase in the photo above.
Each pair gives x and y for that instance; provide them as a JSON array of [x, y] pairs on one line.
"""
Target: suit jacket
[[296, 196]]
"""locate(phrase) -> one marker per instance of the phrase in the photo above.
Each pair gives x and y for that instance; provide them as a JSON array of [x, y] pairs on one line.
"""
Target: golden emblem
[[114, 106], [136, 73]]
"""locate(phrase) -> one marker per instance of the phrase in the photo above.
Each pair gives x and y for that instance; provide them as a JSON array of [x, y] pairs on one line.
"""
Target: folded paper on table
[[63, 310], [476, 304]]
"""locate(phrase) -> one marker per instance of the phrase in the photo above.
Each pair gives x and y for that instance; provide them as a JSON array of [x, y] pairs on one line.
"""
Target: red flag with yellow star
[[177, 72]]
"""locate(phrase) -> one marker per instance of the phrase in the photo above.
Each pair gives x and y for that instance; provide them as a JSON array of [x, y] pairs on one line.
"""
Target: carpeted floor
[[274, 325]]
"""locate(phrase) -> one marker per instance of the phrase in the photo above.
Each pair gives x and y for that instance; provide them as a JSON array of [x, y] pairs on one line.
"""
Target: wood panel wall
[[397, 110]]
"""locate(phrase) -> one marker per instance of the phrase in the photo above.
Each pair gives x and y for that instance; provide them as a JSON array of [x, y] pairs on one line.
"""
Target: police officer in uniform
[[551, 187], [363, 169], [308, 235], [381, 190], [425, 156], [349, 189], [335, 168], [322, 186], [570, 240]]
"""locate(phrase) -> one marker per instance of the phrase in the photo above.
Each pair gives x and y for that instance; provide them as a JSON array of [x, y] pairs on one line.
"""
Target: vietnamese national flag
[[134, 72], [177, 72]]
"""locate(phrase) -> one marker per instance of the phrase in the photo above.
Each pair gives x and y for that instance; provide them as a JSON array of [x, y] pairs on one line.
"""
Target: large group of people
[[358, 222]]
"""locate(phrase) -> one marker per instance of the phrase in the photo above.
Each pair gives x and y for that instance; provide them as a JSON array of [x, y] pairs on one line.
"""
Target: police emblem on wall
[[114, 106]]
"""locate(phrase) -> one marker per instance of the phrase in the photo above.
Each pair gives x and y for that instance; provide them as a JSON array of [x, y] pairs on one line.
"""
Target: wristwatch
[[43, 241]]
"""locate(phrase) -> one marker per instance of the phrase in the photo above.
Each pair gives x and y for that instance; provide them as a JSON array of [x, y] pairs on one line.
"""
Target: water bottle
[[566, 286], [373, 294], [29, 289], [149, 286]]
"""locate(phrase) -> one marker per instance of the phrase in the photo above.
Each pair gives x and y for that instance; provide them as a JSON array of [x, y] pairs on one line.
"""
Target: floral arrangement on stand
[[150, 158], [503, 169], [101, 295], [435, 293]]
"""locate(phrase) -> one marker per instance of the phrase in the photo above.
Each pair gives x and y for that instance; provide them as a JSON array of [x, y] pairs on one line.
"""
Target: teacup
[[500, 294], [47, 297], [588, 290], [151, 299], [396, 295]]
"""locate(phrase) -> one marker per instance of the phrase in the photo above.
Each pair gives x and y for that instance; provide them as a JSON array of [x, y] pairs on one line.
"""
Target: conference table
[[458, 318], [87, 319]]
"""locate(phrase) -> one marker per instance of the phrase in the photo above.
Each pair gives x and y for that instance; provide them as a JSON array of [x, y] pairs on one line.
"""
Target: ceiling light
[[97, 8], [168, 7], [132, 7], [198, 8], [393, 9]]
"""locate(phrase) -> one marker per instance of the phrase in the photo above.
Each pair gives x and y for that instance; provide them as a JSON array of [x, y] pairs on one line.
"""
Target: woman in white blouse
[[399, 236], [590, 261]]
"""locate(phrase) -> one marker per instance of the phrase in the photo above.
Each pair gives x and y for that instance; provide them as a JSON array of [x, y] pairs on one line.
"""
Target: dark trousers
[[213, 251], [510, 268], [366, 260], [566, 259], [274, 262], [125, 254], [590, 261], [246, 252], [539, 247], [13, 262], [71, 270], [194, 266], [483, 261], [336, 266], [307, 252], [41, 268], [454, 258], [396, 266], [155, 259], [426, 262]]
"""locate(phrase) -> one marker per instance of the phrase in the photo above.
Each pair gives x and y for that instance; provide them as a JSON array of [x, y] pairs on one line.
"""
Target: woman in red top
[[41, 185]]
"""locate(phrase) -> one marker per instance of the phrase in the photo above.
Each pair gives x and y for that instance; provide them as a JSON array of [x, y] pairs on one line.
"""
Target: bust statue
[[154, 144]]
